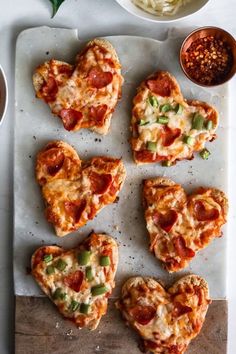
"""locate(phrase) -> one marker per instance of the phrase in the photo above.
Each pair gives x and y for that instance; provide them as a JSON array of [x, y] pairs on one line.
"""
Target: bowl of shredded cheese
[[162, 10]]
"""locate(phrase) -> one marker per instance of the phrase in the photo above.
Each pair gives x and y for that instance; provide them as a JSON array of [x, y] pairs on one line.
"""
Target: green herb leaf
[[55, 6]]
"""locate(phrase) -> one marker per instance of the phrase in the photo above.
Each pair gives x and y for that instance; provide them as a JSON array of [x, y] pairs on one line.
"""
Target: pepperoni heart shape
[[74, 279], [75, 191], [70, 118], [83, 95], [170, 135], [162, 87], [205, 214], [166, 320], [180, 225], [99, 78]]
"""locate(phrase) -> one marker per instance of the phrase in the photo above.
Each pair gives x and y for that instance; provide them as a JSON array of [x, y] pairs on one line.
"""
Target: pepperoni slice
[[148, 156], [143, 314], [169, 135], [99, 78], [54, 160], [65, 69], [100, 183], [167, 220], [75, 209], [181, 249], [98, 113], [161, 86], [70, 118], [49, 89], [74, 280], [180, 310], [203, 214]]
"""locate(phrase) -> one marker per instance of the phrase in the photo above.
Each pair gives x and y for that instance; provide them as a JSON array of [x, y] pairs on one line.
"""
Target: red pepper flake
[[208, 60]]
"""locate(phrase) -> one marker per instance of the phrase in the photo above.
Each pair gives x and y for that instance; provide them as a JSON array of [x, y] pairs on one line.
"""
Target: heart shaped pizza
[[181, 225], [75, 191], [167, 321], [83, 95], [78, 281], [166, 127]]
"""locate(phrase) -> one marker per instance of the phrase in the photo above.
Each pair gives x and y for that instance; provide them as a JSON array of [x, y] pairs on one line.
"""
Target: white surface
[[185, 11], [124, 220], [101, 17]]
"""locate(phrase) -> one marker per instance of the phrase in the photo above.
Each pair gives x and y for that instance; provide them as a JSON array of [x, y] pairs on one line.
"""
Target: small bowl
[[204, 32], [3, 94], [185, 11]]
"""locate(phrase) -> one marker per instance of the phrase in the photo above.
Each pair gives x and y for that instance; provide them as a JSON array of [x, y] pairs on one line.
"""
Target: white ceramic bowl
[[189, 9], [3, 94]]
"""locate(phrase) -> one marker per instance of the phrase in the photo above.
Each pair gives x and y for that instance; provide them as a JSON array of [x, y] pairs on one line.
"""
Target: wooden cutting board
[[40, 329]]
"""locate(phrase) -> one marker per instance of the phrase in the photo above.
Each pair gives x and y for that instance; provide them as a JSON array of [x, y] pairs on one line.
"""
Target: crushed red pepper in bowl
[[208, 56]]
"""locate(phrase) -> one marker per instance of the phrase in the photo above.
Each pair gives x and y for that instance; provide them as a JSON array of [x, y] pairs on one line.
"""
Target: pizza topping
[[143, 122], [89, 274], [205, 154], [181, 249], [48, 258], [75, 209], [49, 89], [65, 69], [167, 220], [209, 125], [143, 314], [180, 310], [99, 78], [54, 160], [166, 108], [84, 257], [58, 294], [74, 305], [61, 265], [99, 290], [152, 100], [189, 140], [152, 146], [98, 113], [204, 214], [166, 163], [170, 135], [163, 120], [197, 122], [70, 118], [84, 308], [104, 261], [148, 156], [179, 109], [161, 87], [100, 183], [50, 270], [74, 280]]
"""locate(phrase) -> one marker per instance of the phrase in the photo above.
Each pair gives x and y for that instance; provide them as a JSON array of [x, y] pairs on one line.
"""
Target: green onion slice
[[99, 290], [84, 257], [153, 101], [166, 108], [143, 122], [179, 109], [58, 294], [61, 265], [50, 270], [197, 122], [152, 146], [84, 308], [189, 140], [209, 125], [163, 120], [166, 163], [205, 154], [48, 258], [74, 305], [104, 261], [89, 273]]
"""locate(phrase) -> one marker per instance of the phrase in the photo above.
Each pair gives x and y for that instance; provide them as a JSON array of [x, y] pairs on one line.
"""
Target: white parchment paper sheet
[[35, 126]]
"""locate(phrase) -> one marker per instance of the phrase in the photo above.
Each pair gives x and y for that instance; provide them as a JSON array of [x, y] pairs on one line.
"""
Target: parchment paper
[[35, 126]]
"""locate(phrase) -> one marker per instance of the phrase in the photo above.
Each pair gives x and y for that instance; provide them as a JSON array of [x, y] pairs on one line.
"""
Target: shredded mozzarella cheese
[[160, 7]]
